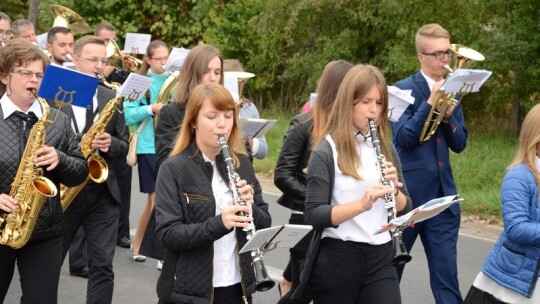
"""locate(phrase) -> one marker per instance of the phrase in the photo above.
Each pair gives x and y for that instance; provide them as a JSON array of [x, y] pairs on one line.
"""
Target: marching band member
[[5, 29], [346, 200], [60, 44], [202, 65], [429, 162], [197, 219], [39, 261], [510, 272], [24, 29], [143, 110], [96, 207], [290, 174]]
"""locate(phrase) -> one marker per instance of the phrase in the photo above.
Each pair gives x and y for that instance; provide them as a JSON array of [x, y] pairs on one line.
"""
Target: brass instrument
[[30, 188], [98, 170], [164, 95], [462, 57], [130, 63], [111, 85], [263, 282], [400, 253], [241, 77], [64, 17]]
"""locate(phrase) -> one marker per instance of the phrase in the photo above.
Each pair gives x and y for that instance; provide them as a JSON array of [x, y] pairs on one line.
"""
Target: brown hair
[[104, 25], [18, 53], [429, 31], [152, 47], [529, 137], [331, 78], [88, 39], [194, 67], [357, 82], [51, 35], [222, 101], [232, 65]]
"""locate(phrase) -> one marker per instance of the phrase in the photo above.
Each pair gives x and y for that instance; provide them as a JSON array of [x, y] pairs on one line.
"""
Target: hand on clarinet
[[247, 193], [372, 194], [391, 174], [231, 216]]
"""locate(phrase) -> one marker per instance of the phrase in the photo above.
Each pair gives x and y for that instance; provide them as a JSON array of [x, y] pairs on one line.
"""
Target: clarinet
[[263, 282], [400, 253]]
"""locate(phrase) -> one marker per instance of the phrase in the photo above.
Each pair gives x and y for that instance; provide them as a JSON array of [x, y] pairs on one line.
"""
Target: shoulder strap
[[141, 126]]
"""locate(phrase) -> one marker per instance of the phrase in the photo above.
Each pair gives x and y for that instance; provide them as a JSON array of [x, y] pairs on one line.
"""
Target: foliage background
[[286, 43]]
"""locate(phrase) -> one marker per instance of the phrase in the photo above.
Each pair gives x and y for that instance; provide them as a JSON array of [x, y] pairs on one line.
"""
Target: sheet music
[[255, 127], [176, 59], [230, 82], [398, 101], [285, 236], [465, 81], [137, 43], [135, 86]]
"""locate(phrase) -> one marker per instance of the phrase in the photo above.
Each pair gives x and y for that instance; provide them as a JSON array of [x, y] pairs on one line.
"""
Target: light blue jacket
[[514, 261], [136, 111]]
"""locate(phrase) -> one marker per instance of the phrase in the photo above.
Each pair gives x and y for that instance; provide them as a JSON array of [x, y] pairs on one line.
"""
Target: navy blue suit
[[428, 175]]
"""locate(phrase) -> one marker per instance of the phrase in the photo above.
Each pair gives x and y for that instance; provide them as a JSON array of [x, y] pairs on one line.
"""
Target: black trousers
[[97, 211], [39, 264], [354, 273], [225, 295], [78, 253], [124, 174]]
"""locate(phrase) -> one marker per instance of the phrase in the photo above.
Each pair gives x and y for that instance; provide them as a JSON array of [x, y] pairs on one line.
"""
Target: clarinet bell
[[263, 282], [401, 257]]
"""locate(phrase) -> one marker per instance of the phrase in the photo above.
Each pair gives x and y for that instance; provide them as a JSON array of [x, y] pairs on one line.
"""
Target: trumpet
[[400, 253], [263, 282]]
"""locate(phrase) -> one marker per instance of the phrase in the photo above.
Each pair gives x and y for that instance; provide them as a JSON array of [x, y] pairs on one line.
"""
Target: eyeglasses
[[95, 60], [8, 33], [26, 74], [161, 59], [439, 54]]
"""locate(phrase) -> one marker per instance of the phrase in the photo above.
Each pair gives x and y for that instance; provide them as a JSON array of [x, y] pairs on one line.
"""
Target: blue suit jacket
[[426, 166]]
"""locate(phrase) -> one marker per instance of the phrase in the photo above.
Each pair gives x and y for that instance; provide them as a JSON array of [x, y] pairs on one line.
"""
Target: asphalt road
[[135, 282]]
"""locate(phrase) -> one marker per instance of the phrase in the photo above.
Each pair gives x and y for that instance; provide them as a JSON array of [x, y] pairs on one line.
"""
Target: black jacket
[[71, 170], [187, 226], [168, 126], [291, 168]]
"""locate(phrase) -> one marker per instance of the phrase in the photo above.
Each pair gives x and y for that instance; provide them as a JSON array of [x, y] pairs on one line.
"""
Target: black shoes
[[123, 242], [81, 272]]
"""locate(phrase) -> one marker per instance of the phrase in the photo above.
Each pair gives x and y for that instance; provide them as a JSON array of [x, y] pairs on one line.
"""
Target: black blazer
[[116, 127]]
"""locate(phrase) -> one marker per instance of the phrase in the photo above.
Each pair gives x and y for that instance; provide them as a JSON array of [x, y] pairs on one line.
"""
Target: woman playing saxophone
[[26, 123], [197, 221]]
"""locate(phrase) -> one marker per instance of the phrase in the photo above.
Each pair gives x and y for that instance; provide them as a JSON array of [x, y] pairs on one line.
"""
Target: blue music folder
[[68, 86]]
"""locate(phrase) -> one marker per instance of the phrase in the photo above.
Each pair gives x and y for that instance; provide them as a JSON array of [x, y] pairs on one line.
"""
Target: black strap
[[90, 115], [27, 121]]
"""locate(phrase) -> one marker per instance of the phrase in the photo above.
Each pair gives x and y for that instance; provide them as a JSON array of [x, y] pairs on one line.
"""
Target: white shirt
[[430, 82], [226, 260], [80, 114], [362, 227], [8, 107]]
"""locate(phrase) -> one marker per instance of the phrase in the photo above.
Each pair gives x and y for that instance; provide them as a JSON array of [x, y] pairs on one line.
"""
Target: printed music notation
[[137, 43], [285, 236], [255, 127], [135, 86], [465, 81]]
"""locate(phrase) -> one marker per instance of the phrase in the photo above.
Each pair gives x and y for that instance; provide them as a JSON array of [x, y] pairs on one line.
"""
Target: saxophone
[[98, 170], [30, 188]]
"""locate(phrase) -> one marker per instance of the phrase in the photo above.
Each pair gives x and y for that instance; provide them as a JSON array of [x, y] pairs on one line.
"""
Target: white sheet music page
[[465, 81], [255, 127], [284, 236], [421, 213], [135, 86], [176, 59], [137, 43], [230, 82], [398, 101]]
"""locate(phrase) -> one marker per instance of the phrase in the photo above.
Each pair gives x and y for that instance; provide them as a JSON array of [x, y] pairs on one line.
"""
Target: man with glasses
[[426, 165], [96, 206], [5, 29]]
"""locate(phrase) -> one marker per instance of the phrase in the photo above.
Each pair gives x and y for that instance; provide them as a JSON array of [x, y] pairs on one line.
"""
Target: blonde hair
[[429, 31], [529, 137], [193, 69], [356, 84], [222, 100]]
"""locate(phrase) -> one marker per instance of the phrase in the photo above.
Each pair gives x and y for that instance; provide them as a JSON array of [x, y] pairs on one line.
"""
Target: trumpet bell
[[64, 17]]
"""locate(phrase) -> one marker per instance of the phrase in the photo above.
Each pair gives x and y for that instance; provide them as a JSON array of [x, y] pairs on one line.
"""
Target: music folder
[[285, 236], [67, 86], [421, 213]]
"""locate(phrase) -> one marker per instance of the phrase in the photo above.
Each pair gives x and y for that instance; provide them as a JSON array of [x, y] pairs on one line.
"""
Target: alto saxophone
[[30, 188], [98, 171], [263, 282]]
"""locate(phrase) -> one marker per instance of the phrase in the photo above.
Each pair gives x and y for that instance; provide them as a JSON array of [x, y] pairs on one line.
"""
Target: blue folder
[[68, 86]]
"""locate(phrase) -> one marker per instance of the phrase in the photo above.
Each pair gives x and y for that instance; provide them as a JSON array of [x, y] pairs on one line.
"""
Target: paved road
[[135, 282]]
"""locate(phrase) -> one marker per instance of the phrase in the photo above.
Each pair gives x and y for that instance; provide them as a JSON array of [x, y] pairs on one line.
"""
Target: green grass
[[478, 170]]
